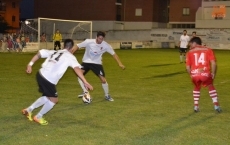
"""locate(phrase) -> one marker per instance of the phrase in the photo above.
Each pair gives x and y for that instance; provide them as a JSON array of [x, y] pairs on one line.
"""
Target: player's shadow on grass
[[167, 75], [78, 104], [177, 126], [158, 65]]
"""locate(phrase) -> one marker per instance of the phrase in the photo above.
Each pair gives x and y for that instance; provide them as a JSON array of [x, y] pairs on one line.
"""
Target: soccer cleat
[[217, 108], [109, 98], [27, 114], [196, 109], [41, 121], [81, 95]]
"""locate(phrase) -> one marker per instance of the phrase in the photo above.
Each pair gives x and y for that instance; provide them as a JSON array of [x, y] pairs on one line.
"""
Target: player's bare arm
[[214, 67], [32, 61], [79, 72], [115, 56], [188, 68], [75, 48]]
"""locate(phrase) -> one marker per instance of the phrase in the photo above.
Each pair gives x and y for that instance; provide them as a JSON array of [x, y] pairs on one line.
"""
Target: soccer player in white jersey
[[183, 44], [52, 70], [94, 49]]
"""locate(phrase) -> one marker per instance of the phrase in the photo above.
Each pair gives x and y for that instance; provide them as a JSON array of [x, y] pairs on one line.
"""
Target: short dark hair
[[194, 32], [185, 31], [100, 33], [68, 43], [197, 40]]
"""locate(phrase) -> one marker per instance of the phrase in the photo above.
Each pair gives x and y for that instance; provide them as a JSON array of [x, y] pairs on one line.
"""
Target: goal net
[[34, 28]]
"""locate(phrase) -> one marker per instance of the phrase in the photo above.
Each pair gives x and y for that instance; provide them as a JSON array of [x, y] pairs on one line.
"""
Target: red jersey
[[199, 60]]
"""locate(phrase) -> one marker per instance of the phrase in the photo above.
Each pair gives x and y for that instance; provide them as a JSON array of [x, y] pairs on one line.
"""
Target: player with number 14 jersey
[[199, 60], [201, 66]]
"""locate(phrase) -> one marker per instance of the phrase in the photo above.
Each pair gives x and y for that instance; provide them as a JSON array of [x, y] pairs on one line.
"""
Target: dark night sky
[[27, 9]]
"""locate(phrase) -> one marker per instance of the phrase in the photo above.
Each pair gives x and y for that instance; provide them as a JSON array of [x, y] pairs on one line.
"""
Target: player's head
[[185, 32], [195, 41], [194, 34], [68, 44], [57, 31], [100, 37]]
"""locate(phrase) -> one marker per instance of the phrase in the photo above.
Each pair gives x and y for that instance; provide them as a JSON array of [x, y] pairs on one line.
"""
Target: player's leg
[[105, 87], [51, 93], [59, 44], [196, 93], [55, 45], [83, 87], [39, 102], [85, 69], [184, 55], [208, 81], [213, 95], [45, 109], [99, 71], [181, 55]]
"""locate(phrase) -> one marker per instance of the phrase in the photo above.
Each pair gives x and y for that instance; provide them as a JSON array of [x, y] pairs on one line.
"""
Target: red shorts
[[204, 79]]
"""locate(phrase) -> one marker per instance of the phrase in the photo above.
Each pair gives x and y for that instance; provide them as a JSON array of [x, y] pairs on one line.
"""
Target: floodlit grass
[[153, 104]]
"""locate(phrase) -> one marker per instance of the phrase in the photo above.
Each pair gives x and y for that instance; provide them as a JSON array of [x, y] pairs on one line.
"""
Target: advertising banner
[[214, 38]]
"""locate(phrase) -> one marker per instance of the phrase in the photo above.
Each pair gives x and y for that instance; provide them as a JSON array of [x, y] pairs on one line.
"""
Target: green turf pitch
[[153, 103]]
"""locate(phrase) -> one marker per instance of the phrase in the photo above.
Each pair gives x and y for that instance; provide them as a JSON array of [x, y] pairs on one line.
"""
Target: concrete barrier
[[34, 47]]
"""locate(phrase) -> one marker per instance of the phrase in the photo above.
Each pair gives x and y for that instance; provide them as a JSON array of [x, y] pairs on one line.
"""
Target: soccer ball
[[86, 98]]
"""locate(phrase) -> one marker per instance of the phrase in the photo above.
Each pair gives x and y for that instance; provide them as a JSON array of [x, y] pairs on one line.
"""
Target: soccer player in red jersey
[[201, 66]]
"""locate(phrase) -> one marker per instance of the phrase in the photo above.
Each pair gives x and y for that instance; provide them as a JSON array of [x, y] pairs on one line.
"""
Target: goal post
[[73, 29]]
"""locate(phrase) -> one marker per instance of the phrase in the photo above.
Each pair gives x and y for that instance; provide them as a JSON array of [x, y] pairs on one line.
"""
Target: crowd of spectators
[[16, 42]]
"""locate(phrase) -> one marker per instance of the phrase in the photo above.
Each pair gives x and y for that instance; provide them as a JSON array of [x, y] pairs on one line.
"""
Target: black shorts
[[45, 87], [183, 50], [96, 68]]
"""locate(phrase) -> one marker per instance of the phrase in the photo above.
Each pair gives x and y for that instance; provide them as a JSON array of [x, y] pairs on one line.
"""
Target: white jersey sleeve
[[46, 53], [83, 44], [74, 63], [109, 49]]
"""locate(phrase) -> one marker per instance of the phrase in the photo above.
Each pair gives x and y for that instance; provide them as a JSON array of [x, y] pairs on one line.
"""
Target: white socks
[[181, 58], [48, 105], [82, 85], [39, 102], [106, 88], [46, 108]]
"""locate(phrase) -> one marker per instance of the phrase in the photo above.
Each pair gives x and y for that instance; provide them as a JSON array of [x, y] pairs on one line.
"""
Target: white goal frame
[[63, 20], [81, 26]]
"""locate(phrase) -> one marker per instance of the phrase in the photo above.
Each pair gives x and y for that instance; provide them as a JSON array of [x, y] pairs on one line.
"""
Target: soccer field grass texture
[[153, 103]]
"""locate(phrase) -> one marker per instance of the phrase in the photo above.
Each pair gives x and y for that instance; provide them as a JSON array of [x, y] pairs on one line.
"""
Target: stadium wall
[[153, 38], [163, 38], [214, 38]]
